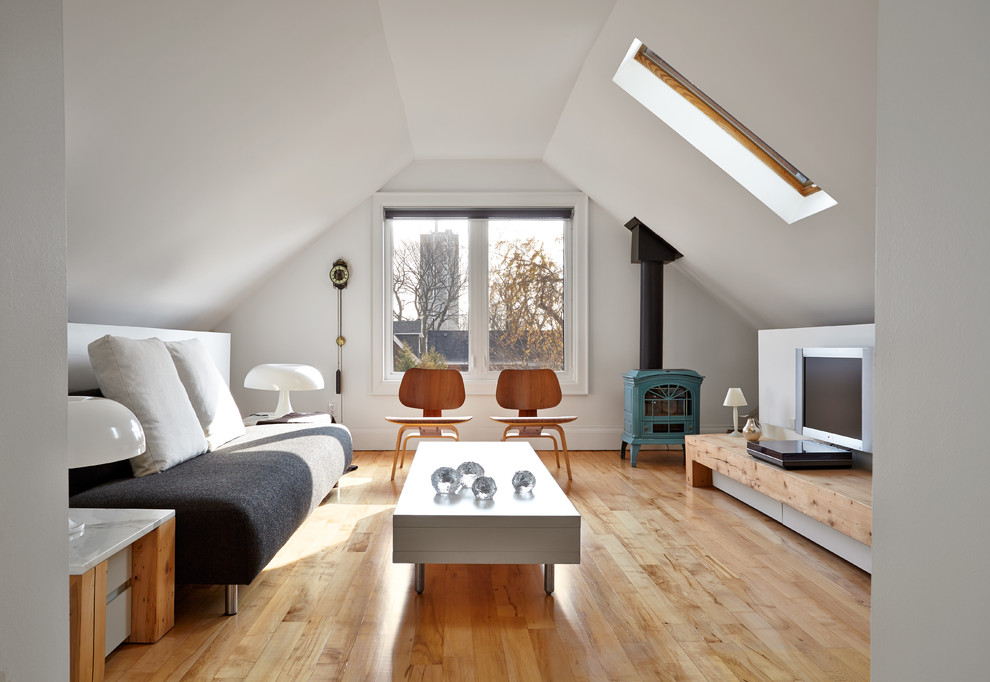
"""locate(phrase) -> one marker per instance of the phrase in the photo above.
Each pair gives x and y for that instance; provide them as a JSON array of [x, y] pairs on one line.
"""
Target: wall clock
[[340, 275]]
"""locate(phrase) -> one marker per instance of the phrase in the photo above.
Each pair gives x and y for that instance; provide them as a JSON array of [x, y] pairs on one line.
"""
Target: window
[[481, 283]]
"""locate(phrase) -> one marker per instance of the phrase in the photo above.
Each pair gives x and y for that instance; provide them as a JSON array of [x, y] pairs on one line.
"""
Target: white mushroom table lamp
[[100, 431], [284, 378], [735, 399]]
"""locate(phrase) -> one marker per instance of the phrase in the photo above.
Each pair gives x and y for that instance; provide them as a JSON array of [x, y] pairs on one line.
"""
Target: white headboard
[[81, 375]]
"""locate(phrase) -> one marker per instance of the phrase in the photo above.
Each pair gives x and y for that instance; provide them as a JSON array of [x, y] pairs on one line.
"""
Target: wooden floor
[[674, 583]]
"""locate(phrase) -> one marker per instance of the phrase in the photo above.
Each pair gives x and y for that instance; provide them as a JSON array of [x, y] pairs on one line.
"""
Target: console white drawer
[[118, 571], [118, 620]]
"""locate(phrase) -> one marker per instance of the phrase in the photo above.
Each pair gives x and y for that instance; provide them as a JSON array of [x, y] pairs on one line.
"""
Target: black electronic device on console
[[800, 454]]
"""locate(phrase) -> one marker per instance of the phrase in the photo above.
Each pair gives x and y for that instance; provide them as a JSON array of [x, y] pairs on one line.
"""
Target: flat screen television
[[834, 398]]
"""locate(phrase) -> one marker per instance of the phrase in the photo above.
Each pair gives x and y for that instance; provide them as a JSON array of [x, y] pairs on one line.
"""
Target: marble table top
[[107, 532]]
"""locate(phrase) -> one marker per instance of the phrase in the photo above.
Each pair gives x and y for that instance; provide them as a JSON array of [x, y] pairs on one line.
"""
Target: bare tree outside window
[[429, 287], [481, 282], [526, 301], [525, 291], [442, 282]]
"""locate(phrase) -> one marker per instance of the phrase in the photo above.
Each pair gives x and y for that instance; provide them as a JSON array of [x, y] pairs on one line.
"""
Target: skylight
[[718, 135]]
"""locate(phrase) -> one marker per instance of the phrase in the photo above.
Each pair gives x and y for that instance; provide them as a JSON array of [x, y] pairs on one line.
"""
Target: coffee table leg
[[548, 578], [420, 578]]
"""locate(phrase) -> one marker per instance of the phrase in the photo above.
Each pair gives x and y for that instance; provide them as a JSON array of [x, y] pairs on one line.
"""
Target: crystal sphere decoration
[[469, 471], [484, 487], [445, 480], [523, 481]]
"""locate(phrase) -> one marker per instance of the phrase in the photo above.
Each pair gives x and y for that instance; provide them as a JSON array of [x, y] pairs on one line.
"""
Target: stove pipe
[[652, 253]]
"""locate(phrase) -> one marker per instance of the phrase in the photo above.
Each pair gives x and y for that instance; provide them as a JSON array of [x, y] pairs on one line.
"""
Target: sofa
[[239, 493]]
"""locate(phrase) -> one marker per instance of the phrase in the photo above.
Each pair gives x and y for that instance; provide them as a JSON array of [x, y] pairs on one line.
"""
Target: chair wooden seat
[[528, 391], [432, 391]]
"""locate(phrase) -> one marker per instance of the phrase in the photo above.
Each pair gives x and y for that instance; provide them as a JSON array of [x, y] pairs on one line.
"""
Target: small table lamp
[[735, 399], [100, 431], [284, 378]]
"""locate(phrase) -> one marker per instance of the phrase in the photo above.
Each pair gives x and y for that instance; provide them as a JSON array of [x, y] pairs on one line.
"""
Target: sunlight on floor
[[329, 525], [352, 481]]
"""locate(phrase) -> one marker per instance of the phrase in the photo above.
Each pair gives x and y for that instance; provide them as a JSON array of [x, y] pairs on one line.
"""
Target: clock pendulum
[[339, 276]]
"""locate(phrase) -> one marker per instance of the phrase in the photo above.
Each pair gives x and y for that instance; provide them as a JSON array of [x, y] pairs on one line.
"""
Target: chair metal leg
[[230, 600]]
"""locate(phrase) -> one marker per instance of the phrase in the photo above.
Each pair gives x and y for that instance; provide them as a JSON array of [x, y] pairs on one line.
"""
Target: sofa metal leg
[[230, 600]]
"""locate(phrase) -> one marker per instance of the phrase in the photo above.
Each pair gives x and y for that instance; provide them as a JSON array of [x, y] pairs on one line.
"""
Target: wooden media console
[[832, 507]]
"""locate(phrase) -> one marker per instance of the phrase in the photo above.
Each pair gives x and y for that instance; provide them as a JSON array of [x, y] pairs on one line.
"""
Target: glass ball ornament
[[523, 481], [484, 487], [468, 472], [445, 480]]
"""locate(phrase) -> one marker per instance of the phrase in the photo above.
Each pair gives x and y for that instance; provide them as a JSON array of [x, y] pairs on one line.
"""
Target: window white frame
[[478, 380]]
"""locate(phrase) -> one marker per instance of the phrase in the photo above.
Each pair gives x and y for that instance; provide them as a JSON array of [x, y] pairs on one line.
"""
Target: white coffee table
[[541, 527]]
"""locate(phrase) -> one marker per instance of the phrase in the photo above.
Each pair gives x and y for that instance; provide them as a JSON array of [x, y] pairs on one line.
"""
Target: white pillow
[[140, 374], [208, 392]]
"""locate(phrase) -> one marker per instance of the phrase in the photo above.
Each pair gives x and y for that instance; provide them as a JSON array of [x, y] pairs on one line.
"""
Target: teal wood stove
[[661, 406]]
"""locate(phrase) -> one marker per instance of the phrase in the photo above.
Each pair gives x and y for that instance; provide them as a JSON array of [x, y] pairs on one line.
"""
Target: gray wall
[[34, 603], [931, 550]]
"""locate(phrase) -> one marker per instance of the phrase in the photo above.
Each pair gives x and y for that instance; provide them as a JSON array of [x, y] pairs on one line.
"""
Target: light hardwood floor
[[674, 583]]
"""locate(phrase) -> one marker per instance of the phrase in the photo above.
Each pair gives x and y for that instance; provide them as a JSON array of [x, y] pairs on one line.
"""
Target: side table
[[121, 583]]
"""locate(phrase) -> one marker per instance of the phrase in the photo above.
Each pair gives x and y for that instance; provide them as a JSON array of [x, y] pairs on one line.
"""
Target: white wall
[[931, 548], [778, 368], [292, 318], [777, 365], [34, 603], [219, 136]]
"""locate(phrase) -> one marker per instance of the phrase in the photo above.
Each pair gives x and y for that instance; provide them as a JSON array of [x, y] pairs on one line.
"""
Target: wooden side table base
[[87, 624], [152, 585]]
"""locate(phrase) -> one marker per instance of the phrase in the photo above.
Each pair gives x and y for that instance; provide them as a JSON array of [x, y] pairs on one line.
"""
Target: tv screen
[[834, 398]]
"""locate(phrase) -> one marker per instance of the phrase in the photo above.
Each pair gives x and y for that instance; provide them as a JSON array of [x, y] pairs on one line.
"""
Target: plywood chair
[[530, 390], [433, 391]]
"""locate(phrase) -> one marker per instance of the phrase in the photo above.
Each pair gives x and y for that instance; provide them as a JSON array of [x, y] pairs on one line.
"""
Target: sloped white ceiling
[[208, 142], [488, 80]]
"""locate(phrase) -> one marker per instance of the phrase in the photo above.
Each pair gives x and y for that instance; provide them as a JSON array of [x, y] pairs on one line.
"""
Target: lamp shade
[[101, 431], [734, 398], [284, 378]]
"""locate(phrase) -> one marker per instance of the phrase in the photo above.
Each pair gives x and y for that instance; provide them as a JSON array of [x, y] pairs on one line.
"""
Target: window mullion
[[478, 298], [387, 301]]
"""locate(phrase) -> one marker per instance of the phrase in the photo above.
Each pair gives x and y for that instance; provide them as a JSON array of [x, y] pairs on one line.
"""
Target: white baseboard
[[579, 436]]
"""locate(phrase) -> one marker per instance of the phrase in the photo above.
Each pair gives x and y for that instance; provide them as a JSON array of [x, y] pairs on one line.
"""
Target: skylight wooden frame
[[726, 121], [710, 129]]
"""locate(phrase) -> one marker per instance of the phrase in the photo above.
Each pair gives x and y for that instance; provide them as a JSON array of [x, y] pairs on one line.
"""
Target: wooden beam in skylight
[[718, 135]]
